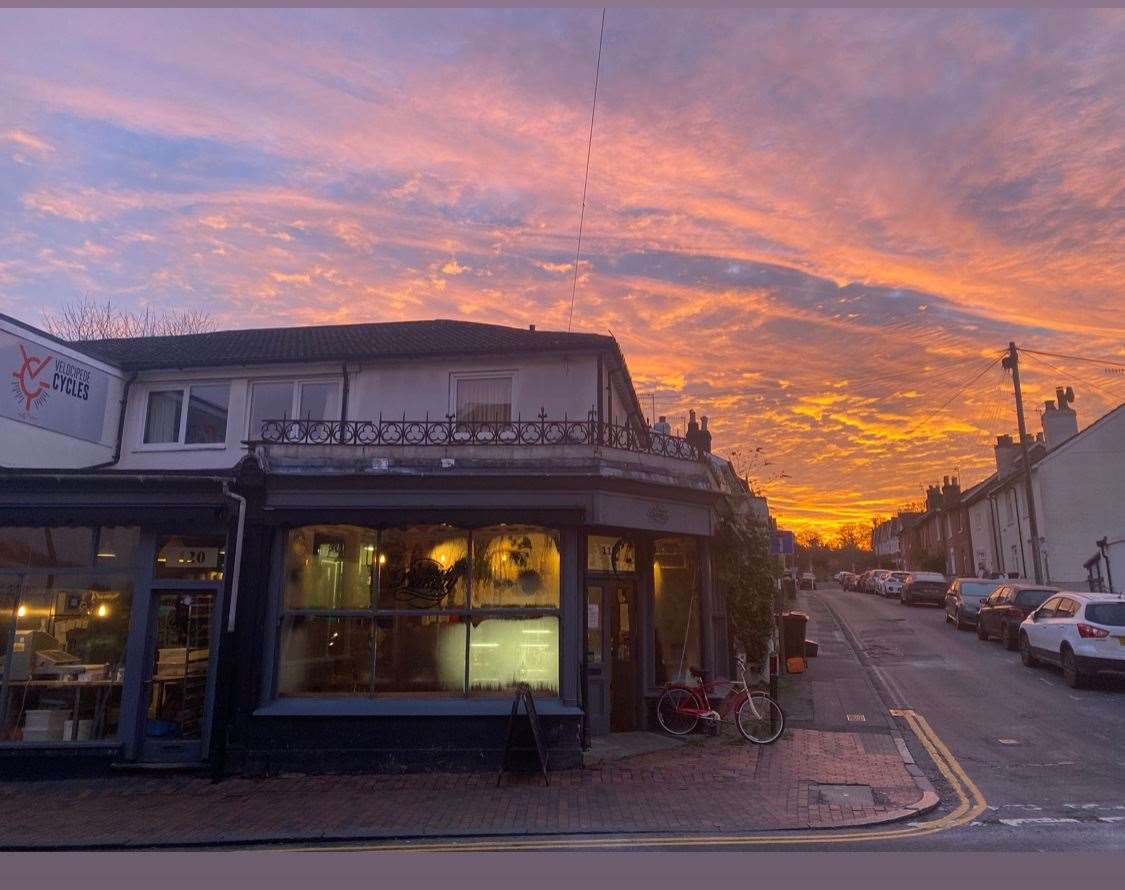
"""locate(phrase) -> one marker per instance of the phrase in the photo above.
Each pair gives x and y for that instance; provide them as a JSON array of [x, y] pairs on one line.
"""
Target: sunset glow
[[812, 227]]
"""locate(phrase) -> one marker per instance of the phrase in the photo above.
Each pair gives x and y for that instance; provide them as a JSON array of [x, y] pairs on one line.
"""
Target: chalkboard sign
[[523, 694]]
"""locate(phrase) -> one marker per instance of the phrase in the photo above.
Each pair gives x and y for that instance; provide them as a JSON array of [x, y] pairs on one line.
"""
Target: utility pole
[[1012, 363]]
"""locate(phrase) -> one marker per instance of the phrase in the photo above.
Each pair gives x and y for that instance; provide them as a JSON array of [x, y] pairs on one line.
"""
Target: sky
[[813, 226]]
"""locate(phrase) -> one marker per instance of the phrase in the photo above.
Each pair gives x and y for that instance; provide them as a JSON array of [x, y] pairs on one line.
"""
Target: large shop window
[[675, 608], [203, 423], [65, 601], [427, 611]]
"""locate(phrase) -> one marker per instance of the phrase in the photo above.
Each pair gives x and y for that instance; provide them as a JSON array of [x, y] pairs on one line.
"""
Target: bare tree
[[87, 319]]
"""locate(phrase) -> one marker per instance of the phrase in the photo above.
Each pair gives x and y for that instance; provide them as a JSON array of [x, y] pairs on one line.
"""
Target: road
[[1048, 759]]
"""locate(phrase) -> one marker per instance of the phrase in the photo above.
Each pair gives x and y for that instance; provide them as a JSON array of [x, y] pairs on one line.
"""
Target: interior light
[[484, 645], [382, 559], [370, 548], [21, 611], [107, 554], [103, 610]]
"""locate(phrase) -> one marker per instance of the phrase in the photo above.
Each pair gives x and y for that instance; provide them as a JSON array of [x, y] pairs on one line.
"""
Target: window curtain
[[163, 421], [484, 399]]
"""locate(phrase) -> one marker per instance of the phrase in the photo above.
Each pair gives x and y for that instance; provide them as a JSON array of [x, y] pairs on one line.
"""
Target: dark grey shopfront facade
[[373, 620]]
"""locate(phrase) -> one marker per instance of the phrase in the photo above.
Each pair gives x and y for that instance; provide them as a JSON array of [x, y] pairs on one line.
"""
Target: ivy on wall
[[747, 578]]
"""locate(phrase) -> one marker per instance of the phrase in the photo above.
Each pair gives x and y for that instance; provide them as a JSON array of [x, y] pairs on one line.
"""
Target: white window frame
[[185, 392], [295, 384], [510, 373]]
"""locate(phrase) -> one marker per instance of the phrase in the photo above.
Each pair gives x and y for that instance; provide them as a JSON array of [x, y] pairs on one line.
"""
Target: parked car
[[848, 581], [923, 587], [1005, 609], [807, 581], [891, 584], [963, 599], [873, 581], [1083, 633]]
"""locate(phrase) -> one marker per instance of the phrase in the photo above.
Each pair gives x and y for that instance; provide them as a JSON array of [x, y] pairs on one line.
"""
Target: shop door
[[622, 656], [597, 660], [175, 705]]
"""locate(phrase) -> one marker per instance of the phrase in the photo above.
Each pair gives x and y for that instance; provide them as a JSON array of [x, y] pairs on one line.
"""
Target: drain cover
[[860, 718], [846, 795], [1008, 741]]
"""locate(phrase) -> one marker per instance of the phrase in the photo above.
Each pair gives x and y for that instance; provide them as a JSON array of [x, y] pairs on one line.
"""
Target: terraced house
[[339, 547]]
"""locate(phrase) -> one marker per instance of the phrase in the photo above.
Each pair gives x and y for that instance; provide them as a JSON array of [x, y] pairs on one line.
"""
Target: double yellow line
[[970, 804]]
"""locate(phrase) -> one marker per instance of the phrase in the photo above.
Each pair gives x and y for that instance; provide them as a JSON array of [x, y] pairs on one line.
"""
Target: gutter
[[237, 552], [120, 426]]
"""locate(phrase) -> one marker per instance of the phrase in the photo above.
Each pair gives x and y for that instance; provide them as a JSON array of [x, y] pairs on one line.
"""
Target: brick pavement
[[707, 786]]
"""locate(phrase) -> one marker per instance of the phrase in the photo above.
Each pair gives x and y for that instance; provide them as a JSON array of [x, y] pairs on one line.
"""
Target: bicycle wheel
[[670, 711], [760, 719]]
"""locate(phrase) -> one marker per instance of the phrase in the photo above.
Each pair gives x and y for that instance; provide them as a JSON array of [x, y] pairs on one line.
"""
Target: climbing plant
[[747, 578]]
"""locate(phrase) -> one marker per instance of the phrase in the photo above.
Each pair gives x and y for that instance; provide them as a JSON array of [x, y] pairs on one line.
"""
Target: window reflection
[[505, 651], [388, 613], [325, 655], [515, 566], [423, 567], [675, 609], [330, 567]]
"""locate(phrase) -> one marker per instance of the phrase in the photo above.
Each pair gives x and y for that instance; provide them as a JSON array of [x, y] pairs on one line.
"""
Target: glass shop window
[[610, 553], [423, 567], [330, 567], [66, 637], [515, 567], [676, 643], [190, 557], [397, 613], [48, 547], [325, 655], [504, 651]]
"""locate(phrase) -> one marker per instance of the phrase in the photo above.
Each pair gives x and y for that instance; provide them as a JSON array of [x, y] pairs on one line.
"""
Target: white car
[[891, 584], [1083, 633]]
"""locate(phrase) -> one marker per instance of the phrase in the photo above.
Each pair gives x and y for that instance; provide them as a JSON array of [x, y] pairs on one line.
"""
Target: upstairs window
[[289, 400], [483, 399], [203, 423]]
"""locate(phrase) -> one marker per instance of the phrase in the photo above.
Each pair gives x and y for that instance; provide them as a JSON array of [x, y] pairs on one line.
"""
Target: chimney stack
[[1060, 421], [1006, 453]]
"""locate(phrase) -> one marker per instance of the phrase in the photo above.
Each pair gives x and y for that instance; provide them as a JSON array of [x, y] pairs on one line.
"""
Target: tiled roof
[[399, 339]]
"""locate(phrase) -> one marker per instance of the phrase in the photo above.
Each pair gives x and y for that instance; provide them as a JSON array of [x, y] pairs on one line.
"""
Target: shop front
[[108, 633]]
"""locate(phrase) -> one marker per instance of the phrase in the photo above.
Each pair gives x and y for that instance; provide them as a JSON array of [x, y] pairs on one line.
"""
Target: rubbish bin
[[793, 626]]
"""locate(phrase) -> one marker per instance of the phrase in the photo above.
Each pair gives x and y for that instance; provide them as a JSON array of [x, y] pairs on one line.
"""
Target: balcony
[[453, 433]]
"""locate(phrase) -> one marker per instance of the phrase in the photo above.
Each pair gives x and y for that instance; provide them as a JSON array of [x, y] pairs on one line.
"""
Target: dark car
[[1006, 607], [963, 600], [923, 587]]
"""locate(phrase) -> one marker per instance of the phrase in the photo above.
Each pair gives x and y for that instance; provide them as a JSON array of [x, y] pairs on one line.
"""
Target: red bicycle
[[758, 717]]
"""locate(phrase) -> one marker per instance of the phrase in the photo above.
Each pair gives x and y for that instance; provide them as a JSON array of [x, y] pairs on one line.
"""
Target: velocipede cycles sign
[[51, 390]]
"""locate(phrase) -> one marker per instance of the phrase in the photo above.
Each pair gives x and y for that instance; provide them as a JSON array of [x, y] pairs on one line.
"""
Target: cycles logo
[[37, 378], [30, 386]]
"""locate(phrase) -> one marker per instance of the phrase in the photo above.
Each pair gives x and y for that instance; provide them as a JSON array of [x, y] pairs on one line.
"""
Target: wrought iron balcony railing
[[453, 432]]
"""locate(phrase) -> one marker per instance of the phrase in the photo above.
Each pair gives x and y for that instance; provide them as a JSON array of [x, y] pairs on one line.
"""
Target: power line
[[586, 178], [960, 390], [1039, 358], [1074, 358]]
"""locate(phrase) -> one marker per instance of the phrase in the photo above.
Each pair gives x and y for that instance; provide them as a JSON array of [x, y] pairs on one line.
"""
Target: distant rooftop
[[344, 342]]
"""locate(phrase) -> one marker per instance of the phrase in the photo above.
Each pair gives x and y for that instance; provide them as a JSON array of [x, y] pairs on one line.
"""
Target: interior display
[[397, 612], [675, 617], [62, 669]]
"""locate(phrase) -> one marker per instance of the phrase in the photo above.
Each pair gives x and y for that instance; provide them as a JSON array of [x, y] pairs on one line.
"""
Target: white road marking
[[1111, 818], [1036, 820]]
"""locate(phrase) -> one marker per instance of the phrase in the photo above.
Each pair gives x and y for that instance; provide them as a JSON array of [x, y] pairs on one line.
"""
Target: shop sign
[[191, 557], [50, 390]]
